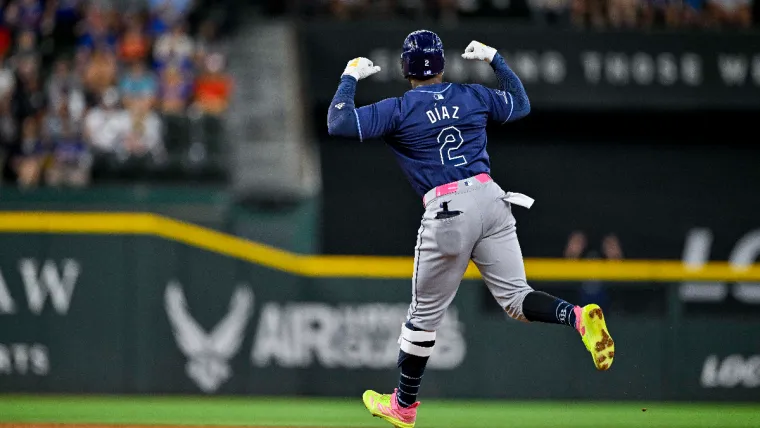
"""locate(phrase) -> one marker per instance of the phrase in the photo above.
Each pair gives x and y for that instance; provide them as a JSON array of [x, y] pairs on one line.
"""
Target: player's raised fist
[[359, 68], [477, 50]]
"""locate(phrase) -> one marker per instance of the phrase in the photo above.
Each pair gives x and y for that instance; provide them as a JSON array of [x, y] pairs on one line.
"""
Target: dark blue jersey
[[437, 132]]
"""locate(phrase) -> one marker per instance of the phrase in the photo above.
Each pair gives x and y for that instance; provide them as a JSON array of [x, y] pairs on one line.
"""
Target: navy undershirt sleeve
[[372, 121], [513, 90], [342, 120]]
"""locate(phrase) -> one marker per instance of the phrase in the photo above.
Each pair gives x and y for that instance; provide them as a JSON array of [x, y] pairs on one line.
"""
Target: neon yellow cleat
[[386, 406], [595, 335]]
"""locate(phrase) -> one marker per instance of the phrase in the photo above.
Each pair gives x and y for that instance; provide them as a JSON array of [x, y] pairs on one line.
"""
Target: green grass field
[[282, 412]]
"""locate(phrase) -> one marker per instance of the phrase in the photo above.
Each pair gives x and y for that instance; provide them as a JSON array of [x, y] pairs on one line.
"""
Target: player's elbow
[[341, 125], [332, 130], [336, 129], [526, 107], [522, 109]]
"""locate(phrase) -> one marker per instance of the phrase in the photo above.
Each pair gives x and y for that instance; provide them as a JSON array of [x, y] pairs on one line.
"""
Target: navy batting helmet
[[422, 55]]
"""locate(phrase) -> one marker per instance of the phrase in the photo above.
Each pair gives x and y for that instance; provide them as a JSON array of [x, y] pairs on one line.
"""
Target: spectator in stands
[[448, 10], [588, 13], [26, 47], [175, 8], [98, 32], [175, 47], [70, 164], [578, 248], [47, 24], [80, 63], [23, 14], [347, 9], [158, 24], [59, 123], [8, 120], [166, 12], [623, 13], [144, 139], [105, 127], [138, 82], [7, 80], [661, 13], [63, 86], [70, 161], [551, 11], [6, 41], [100, 72], [135, 43], [51, 117], [413, 9], [213, 90], [693, 13], [213, 87], [206, 42], [175, 90], [729, 13], [8, 133], [30, 13], [67, 15], [32, 157], [29, 95]]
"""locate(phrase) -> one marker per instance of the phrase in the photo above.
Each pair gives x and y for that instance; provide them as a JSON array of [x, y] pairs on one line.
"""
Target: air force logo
[[208, 354], [340, 105]]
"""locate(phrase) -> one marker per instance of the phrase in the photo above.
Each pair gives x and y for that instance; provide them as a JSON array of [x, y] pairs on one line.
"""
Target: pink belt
[[448, 188]]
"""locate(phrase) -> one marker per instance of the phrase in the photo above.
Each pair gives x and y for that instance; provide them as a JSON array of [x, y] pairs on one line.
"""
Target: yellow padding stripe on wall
[[350, 266]]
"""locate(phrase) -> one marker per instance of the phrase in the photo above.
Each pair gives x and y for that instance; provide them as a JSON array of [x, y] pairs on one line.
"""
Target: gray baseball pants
[[485, 233]]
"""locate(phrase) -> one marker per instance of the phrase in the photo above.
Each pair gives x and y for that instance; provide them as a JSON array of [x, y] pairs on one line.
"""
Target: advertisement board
[[142, 314], [559, 68]]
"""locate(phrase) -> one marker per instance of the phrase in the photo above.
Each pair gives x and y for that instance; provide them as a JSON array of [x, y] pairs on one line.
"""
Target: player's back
[[437, 130], [440, 133]]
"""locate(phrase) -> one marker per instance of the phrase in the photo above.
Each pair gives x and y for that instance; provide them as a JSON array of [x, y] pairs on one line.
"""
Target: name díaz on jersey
[[441, 113]]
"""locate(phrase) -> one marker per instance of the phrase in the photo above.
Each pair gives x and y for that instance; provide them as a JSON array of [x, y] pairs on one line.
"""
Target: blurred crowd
[[85, 84], [576, 13]]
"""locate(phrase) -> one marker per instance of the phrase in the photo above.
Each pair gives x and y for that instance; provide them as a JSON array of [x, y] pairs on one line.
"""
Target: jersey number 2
[[451, 140]]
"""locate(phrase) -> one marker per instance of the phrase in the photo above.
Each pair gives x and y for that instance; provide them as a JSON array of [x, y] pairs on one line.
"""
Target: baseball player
[[437, 130]]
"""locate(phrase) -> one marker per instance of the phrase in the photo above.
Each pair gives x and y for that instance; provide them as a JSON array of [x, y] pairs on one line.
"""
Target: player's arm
[[345, 120], [511, 102]]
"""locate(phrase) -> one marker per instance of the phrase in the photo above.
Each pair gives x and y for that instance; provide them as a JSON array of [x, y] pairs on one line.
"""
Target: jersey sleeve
[[510, 102], [500, 104], [378, 119]]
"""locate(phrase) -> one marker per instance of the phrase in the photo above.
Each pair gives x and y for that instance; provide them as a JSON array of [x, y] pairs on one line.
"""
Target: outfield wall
[[138, 303]]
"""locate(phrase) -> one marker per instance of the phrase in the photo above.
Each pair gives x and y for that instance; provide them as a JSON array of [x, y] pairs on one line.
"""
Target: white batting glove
[[477, 50], [359, 68]]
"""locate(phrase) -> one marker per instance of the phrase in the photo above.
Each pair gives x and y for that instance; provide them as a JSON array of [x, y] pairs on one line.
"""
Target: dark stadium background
[[209, 188]]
